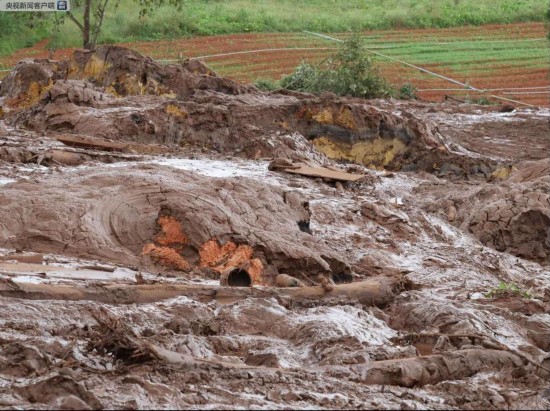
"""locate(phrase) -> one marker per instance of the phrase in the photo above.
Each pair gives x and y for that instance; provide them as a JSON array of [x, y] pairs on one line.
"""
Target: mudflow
[[171, 238]]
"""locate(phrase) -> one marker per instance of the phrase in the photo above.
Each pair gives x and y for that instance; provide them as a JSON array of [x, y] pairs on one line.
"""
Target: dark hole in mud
[[144, 78], [303, 225], [239, 278], [137, 118], [341, 278]]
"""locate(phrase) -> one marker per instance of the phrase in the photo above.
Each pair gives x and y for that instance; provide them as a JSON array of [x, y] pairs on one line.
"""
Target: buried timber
[[183, 240]]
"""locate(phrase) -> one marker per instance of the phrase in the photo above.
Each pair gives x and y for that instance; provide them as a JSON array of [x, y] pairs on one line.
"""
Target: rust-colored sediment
[[168, 244], [221, 258], [166, 256], [171, 232]]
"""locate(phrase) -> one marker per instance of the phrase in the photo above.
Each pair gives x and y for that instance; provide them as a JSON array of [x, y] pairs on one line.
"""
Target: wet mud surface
[[151, 256]]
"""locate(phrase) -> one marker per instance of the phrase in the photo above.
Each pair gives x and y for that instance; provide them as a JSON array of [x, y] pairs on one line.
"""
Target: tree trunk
[[376, 291], [86, 42]]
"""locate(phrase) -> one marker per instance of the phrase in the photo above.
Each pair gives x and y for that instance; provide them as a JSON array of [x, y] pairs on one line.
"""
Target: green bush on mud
[[506, 289], [266, 84], [407, 92], [350, 72]]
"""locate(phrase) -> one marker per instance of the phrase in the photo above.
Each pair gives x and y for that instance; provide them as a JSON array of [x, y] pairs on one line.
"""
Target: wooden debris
[[33, 259], [96, 143], [376, 291], [287, 166], [94, 273]]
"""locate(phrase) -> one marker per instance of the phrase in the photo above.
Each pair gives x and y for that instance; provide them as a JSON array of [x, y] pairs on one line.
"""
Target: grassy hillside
[[208, 17]]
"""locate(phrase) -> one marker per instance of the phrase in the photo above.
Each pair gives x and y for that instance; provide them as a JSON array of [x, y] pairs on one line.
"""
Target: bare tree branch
[[75, 21], [99, 21]]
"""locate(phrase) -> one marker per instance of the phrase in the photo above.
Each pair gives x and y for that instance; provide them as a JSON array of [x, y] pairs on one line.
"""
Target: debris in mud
[[115, 218], [285, 280], [117, 94], [106, 145], [315, 171], [173, 268], [24, 258]]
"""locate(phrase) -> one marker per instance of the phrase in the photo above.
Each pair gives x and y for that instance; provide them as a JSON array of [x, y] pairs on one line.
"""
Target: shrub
[[266, 84], [407, 92], [507, 289], [350, 72]]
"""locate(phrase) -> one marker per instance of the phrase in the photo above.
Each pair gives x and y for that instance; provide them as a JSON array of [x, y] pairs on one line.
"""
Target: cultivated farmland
[[510, 61]]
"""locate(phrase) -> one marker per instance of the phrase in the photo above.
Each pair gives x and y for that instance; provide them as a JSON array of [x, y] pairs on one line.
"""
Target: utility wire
[[425, 71]]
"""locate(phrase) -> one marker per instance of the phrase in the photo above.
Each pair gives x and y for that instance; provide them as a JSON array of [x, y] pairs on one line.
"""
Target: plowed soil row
[[486, 63]]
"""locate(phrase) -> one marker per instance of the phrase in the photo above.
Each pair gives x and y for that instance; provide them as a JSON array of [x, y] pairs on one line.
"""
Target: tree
[[349, 72], [88, 15]]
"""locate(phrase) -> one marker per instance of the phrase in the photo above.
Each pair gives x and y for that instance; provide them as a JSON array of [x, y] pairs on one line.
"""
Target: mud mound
[[178, 220], [518, 223], [511, 216], [116, 93], [120, 71], [124, 72]]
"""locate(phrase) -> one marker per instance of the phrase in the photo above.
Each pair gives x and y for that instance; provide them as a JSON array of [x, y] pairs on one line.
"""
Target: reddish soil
[[275, 64]]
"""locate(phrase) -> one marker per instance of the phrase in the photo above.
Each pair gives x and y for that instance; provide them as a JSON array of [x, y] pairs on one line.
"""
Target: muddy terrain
[[173, 239]]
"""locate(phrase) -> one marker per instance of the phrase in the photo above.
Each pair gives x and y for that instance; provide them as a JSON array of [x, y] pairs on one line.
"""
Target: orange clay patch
[[229, 256], [171, 232], [166, 256]]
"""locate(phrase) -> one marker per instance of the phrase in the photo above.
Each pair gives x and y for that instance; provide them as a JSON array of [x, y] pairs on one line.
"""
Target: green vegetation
[[507, 289], [267, 85], [407, 91], [16, 33], [350, 72], [209, 17], [468, 58], [88, 16]]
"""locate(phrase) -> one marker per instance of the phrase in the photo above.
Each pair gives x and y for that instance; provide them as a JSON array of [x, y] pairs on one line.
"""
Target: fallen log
[[97, 143], [92, 142], [36, 269], [418, 371], [63, 157], [32, 259], [377, 291]]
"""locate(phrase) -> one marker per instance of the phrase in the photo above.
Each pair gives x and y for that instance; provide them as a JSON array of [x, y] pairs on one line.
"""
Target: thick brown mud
[[170, 238]]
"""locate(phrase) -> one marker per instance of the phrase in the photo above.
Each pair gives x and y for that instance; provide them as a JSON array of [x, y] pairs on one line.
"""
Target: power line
[[425, 71]]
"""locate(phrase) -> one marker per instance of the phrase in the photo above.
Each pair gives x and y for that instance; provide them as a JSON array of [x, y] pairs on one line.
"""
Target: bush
[[266, 84], [506, 290], [350, 72], [407, 92]]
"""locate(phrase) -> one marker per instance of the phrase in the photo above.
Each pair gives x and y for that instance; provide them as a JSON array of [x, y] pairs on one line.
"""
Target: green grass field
[[210, 17], [464, 56]]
